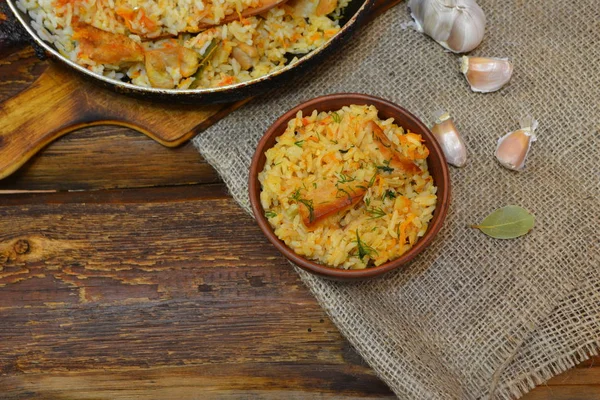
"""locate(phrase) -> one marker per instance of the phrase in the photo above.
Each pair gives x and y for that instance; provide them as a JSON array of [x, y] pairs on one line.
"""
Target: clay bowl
[[438, 169]]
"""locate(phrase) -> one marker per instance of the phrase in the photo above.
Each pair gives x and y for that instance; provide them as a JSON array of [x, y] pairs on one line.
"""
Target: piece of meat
[[329, 199], [106, 47], [386, 147], [326, 7], [177, 57], [245, 55]]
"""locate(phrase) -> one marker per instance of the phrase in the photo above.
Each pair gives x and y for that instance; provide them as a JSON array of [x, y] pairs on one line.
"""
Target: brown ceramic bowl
[[436, 163]]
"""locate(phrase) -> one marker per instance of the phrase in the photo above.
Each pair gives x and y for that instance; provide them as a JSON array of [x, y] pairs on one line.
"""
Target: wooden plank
[[586, 373], [108, 157], [172, 291], [581, 382], [210, 381], [119, 196], [564, 393], [133, 283]]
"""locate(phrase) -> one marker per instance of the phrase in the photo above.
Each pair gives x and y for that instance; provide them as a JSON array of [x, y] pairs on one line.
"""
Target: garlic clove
[[513, 147], [450, 141], [486, 74], [458, 25]]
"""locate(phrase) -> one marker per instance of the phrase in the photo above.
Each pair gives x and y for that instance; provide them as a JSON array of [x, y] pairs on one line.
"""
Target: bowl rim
[[339, 273]]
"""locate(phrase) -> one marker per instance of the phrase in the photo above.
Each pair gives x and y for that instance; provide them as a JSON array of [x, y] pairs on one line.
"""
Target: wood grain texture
[[212, 381], [134, 161], [112, 281]]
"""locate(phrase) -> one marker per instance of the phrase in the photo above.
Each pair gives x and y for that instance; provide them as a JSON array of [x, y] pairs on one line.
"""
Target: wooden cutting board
[[61, 101]]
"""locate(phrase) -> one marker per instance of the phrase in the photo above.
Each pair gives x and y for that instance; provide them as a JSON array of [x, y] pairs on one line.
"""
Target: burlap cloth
[[472, 317]]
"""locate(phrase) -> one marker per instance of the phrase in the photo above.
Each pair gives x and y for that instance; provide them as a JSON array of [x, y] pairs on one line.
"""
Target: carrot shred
[[330, 158], [130, 15], [227, 80], [415, 136], [403, 225], [327, 120]]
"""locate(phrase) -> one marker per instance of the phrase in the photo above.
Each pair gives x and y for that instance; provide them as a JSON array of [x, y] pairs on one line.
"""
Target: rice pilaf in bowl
[[349, 186]]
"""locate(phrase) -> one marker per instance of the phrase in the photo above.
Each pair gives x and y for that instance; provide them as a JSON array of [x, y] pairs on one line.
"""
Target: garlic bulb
[[513, 147], [458, 25], [486, 74], [450, 141]]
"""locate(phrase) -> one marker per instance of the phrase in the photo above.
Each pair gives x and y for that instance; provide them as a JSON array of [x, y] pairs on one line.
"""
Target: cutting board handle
[[60, 101], [34, 118]]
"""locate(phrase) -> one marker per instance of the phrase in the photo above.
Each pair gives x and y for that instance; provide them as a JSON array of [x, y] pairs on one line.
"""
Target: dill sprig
[[372, 180], [341, 192], [308, 203], [375, 212], [343, 178], [336, 117], [363, 248], [385, 168], [390, 194]]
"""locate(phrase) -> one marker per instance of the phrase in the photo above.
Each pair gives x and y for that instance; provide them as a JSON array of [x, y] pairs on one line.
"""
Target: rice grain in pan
[[347, 189]]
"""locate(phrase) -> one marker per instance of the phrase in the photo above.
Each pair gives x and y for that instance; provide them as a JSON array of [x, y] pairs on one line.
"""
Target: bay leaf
[[203, 62], [507, 223]]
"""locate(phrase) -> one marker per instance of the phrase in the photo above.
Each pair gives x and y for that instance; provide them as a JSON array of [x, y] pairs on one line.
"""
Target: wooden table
[[128, 272]]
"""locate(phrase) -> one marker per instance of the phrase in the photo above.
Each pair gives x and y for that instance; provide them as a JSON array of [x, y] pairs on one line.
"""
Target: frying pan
[[353, 15]]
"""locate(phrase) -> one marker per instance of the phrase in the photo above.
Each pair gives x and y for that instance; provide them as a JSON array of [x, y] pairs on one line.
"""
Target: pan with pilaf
[[190, 50]]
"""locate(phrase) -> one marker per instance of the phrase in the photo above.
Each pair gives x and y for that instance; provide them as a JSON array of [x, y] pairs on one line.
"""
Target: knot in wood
[[21, 247], [3, 258]]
